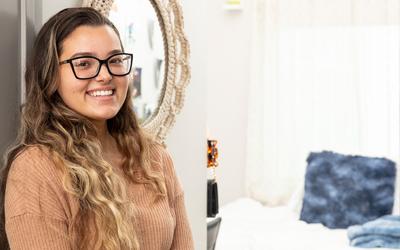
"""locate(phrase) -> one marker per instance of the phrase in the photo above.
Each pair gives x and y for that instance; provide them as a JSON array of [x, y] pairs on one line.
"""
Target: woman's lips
[[101, 93]]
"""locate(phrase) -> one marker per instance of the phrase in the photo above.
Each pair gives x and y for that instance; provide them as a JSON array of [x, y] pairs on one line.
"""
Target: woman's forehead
[[95, 40]]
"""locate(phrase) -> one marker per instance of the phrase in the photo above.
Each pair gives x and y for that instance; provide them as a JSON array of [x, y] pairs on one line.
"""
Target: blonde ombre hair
[[71, 141]]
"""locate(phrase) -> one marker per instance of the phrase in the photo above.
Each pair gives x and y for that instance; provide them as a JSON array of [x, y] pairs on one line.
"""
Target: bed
[[248, 225], [339, 191]]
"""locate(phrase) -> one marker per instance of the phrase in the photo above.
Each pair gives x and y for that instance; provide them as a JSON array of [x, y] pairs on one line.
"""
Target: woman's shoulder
[[34, 161], [32, 151], [157, 150], [165, 161], [160, 154], [34, 185]]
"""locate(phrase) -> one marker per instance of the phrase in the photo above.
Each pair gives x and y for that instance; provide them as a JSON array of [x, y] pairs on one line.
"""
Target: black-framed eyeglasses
[[87, 67]]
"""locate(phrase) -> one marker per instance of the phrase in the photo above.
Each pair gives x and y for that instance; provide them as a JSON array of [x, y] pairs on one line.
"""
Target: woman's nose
[[103, 75]]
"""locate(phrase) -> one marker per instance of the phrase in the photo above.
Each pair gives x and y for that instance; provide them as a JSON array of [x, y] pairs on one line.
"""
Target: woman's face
[[99, 98]]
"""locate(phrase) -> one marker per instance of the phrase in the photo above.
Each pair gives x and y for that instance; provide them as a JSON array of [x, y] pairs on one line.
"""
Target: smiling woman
[[82, 173]]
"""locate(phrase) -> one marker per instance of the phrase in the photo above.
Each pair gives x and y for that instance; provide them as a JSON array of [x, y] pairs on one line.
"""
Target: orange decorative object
[[212, 153]]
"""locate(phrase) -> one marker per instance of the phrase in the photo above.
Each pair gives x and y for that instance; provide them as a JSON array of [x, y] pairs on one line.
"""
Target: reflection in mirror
[[141, 35]]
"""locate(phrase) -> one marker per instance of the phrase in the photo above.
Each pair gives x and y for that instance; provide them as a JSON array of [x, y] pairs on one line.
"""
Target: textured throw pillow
[[343, 190]]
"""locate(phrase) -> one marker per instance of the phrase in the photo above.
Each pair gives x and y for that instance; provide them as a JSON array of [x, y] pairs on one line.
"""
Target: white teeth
[[101, 93]]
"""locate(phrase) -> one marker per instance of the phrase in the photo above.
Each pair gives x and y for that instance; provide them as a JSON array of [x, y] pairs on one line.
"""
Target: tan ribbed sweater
[[38, 211]]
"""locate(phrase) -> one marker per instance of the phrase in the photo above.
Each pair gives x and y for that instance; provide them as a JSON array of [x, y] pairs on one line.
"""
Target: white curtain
[[325, 77]]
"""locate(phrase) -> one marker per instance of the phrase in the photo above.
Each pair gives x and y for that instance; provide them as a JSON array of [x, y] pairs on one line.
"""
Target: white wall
[[228, 75], [187, 140]]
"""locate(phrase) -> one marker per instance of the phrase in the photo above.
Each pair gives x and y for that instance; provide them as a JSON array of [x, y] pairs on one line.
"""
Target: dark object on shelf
[[212, 198], [212, 233]]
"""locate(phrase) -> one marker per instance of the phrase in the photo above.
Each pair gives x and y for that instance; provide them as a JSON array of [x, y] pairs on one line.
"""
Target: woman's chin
[[103, 116]]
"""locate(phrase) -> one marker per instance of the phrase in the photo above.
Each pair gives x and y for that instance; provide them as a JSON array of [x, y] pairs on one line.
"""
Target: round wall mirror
[[141, 35], [152, 30]]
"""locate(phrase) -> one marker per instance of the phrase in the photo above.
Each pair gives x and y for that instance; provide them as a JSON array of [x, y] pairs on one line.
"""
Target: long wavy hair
[[72, 143]]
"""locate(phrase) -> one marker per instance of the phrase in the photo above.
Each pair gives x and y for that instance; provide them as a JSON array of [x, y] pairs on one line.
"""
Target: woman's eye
[[82, 64], [116, 60]]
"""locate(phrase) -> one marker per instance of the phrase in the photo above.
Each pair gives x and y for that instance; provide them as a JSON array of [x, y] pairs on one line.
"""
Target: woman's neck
[[108, 144], [106, 140]]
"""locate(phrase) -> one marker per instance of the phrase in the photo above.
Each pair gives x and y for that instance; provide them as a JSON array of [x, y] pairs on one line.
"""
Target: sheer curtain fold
[[325, 76]]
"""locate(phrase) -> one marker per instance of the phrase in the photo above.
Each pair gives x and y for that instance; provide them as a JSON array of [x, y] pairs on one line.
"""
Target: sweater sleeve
[[34, 208], [183, 235], [183, 239]]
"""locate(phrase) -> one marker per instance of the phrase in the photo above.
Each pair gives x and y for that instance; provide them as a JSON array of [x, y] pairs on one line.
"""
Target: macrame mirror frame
[[177, 69]]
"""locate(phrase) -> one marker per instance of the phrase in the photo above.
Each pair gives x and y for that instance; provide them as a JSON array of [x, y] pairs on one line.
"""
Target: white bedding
[[247, 225]]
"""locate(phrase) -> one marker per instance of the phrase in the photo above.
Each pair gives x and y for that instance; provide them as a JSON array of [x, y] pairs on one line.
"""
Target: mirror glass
[[141, 35]]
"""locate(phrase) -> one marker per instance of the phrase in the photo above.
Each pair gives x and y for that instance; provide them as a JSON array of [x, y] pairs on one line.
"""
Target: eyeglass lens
[[88, 67]]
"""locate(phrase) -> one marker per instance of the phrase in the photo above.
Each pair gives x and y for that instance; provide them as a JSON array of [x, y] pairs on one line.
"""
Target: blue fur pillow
[[342, 190]]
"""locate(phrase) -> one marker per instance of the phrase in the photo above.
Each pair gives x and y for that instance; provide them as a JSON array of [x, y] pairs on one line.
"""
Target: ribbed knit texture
[[39, 212]]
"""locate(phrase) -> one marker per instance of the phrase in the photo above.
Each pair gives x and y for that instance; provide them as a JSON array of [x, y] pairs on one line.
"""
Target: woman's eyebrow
[[114, 51], [83, 53]]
